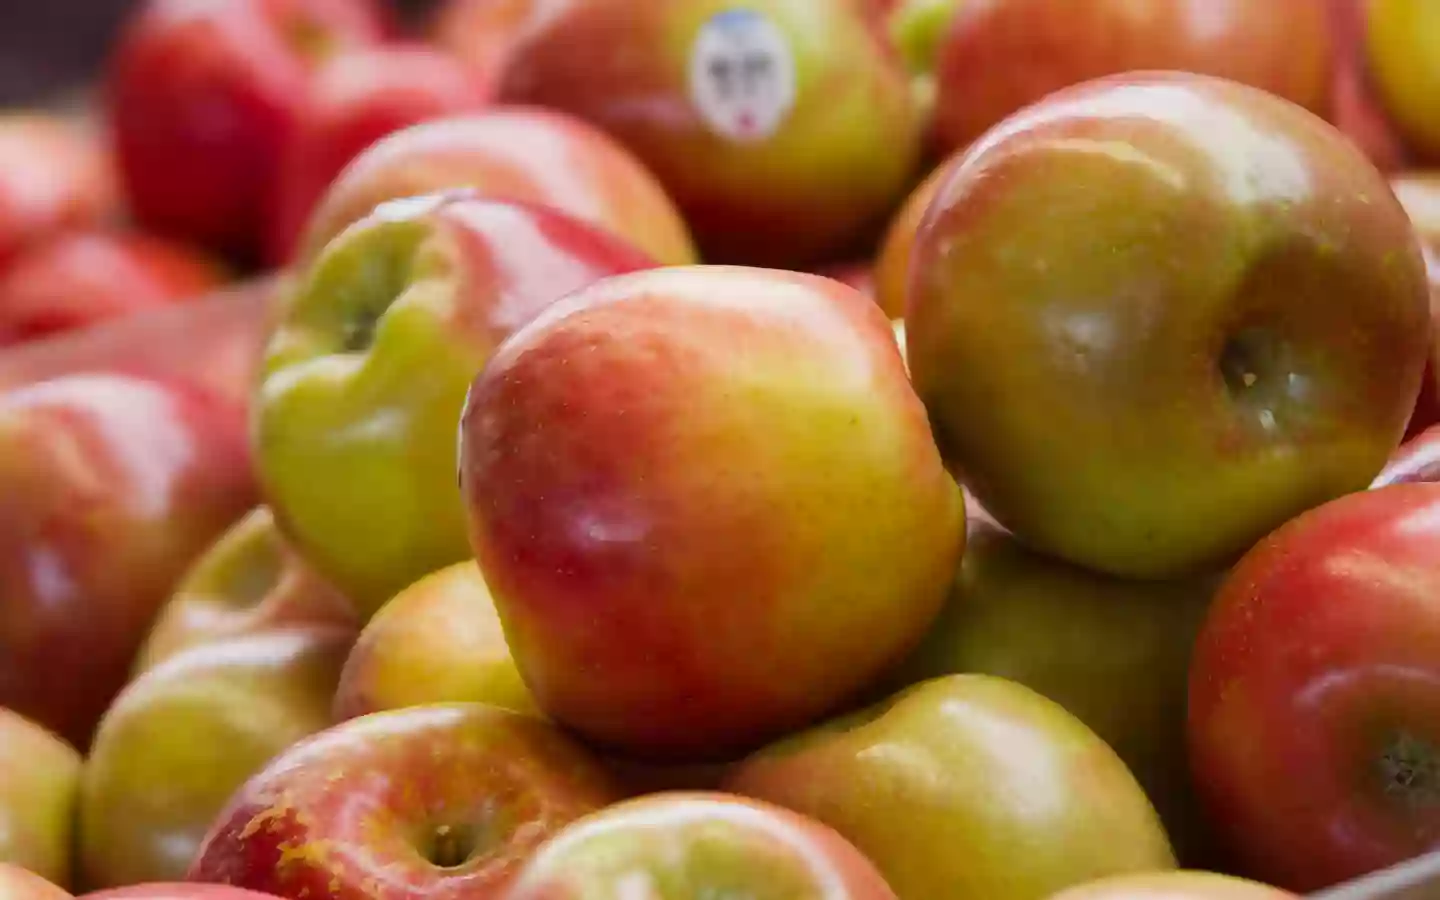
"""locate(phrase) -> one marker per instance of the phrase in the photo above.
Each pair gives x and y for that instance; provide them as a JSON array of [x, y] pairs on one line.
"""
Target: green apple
[[967, 787], [182, 737], [439, 640], [251, 580], [39, 784], [1156, 315]]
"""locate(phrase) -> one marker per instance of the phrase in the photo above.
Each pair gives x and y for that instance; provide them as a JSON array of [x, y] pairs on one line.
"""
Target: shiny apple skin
[[684, 564], [838, 158], [185, 735], [967, 787], [55, 175], [1312, 692], [1220, 320], [1113, 652], [525, 154], [892, 263], [365, 377], [680, 844], [113, 485], [203, 97], [437, 641], [1419, 193], [356, 98], [1000, 56], [1402, 47], [359, 811], [18, 883], [249, 581], [1417, 460], [39, 784], [87, 277], [1175, 886]]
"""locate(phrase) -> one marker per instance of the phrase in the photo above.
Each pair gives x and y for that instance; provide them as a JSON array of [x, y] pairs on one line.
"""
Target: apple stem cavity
[[451, 846], [1409, 769]]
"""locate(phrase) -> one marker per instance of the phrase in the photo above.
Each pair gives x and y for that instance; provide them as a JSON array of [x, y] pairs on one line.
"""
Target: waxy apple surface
[[685, 562], [1221, 320], [184, 735], [530, 155], [1314, 710], [113, 485], [967, 787], [39, 784], [1418, 459], [441, 802], [698, 845], [366, 374]]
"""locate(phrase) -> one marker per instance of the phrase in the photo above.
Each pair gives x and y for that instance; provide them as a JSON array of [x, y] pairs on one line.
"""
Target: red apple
[[1314, 711], [112, 485], [892, 262], [22, 884], [204, 96], [176, 891], [684, 562], [39, 784], [1354, 107], [1418, 459], [858, 275], [85, 277], [441, 802], [529, 155], [1175, 886], [356, 98], [997, 57], [54, 176], [698, 845]]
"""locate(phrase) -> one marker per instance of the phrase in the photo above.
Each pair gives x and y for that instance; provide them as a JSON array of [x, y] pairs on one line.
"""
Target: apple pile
[[780, 449]]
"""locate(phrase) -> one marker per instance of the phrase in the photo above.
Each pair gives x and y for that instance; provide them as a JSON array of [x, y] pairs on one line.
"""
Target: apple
[[684, 564], [784, 129], [84, 277], [918, 29], [439, 640], [1419, 194], [39, 783], [17, 883], [55, 175], [202, 97], [1175, 886], [1402, 48], [1418, 459], [996, 58], [112, 485], [892, 263], [967, 786], [248, 582], [1112, 652], [185, 735], [1225, 335], [182, 890], [366, 375], [508, 153], [1313, 711], [443, 801], [1355, 107], [697, 845], [356, 98]]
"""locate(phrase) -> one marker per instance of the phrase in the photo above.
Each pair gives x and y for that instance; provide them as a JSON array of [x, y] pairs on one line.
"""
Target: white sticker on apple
[[742, 75]]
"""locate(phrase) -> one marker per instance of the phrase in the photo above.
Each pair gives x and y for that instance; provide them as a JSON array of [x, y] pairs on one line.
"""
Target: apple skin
[[1313, 707], [441, 802], [85, 277], [1417, 460], [529, 155], [998, 57], [1112, 652], [113, 485], [698, 845], [181, 738], [892, 263], [18, 883], [803, 183], [356, 98], [858, 275], [968, 787], [1419, 194], [1402, 48], [39, 784], [1355, 107], [366, 374], [182, 890], [203, 97], [439, 640], [1175, 886], [1219, 359], [641, 465], [55, 175]]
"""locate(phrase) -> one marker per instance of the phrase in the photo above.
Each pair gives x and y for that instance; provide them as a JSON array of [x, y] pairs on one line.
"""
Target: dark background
[[50, 49]]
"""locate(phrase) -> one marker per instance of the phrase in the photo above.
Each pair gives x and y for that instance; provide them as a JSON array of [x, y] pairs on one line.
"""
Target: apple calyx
[[1409, 771]]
